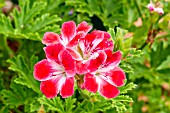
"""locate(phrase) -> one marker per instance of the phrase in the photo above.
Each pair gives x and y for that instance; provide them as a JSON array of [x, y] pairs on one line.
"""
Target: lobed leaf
[[25, 71], [54, 104], [123, 98], [5, 25], [17, 95], [126, 88]]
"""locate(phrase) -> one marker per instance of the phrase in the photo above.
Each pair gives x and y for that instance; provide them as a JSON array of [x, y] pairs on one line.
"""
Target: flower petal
[[42, 70], [90, 83], [81, 68], [98, 37], [67, 89], [117, 76], [68, 31], [113, 59], [106, 35], [50, 38], [107, 90], [95, 63], [68, 62], [104, 45], [53, 50], [83, 26], [49, 88], [75, 55], [75, 40]]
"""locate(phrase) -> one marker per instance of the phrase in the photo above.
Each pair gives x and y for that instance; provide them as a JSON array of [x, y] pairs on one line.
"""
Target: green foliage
[[6, 26], [146, 56], [165, 64], [58, 105], [17, 95], [124, 44], [127, 87], [29, 22], [25, 71], [109, 12]]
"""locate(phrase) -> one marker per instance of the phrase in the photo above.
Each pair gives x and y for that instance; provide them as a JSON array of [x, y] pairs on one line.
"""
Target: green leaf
[[127, 68], [123, 98], [110, 16], [42, 22], [34, 105], [17, 95], [120, 107], [165, 64], [159, 54], [134, 53], [85, 107], [54, 104], [69, 104], [4, 109], [102, 105], [30, 22], [164, 23], [5, 25], [126, 88], [27, 13], [25, 71]]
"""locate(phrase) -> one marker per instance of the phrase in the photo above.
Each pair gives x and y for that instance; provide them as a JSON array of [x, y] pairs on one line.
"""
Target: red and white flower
[[105, 75], [56, 73], [89, 46], [75, 52], [70, 34]]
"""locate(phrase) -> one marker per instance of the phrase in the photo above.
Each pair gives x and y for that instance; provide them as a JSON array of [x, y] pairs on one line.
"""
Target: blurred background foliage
[[142, 36]]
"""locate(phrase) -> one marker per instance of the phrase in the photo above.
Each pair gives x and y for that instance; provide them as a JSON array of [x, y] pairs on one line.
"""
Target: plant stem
[[83, 94]]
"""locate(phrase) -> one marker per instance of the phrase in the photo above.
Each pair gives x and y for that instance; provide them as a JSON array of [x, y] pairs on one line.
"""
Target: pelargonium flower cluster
[[75, 53]]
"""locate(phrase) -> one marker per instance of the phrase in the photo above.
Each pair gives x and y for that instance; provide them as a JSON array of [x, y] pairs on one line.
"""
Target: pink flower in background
[[75, 52], [152, 8], [159, 10]]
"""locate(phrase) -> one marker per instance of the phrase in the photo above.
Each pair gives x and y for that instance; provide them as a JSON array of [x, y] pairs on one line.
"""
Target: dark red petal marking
[[83, 26], [53, 50], [107, 90], [67, 89], [68, 62], [49, 88], [68, 30], [88, 40], [90, 83], [117, 76], [92, 40], [50, 38], [94, 35], [95, 63], [42, 70]]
